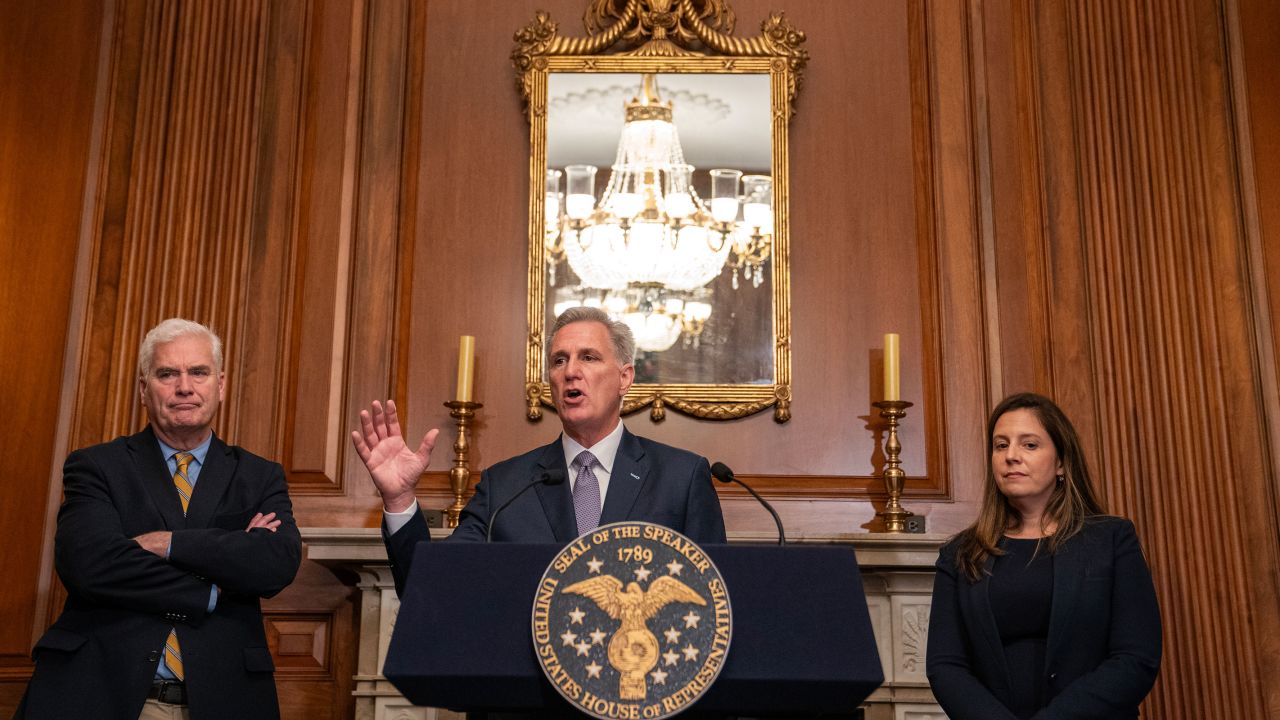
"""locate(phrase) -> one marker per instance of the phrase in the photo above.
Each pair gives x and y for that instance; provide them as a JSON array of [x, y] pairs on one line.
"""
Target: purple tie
[[586, 493]]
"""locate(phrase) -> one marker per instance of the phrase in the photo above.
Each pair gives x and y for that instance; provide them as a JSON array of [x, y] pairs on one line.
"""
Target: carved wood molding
[[177, 204], [272, 222]]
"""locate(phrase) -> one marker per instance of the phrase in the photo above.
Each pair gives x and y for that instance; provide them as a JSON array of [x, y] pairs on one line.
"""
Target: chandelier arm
[[723, 239]]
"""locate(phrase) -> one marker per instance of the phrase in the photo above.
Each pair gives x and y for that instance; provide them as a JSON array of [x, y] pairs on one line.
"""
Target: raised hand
[[394, 467]]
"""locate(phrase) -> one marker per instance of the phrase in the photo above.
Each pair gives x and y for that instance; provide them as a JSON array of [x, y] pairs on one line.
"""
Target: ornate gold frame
[[664, 36]]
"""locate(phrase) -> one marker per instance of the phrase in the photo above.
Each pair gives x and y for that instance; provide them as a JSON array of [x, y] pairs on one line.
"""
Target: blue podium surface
[[802, 642]]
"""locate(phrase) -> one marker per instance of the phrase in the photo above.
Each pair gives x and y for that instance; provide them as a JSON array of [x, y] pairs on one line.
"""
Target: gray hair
[[167, 332], [624, 343]]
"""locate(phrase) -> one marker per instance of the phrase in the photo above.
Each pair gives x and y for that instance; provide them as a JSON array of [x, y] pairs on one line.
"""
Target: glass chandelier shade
[[646, 251], [657, 317], [650, 225], [609, 257]]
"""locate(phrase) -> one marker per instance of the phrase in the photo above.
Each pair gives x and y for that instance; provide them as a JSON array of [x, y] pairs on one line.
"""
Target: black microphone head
[[721, 472], [553, 477]]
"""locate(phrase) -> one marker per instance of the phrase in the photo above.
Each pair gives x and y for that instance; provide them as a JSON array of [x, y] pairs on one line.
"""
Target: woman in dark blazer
[[1044, 608]]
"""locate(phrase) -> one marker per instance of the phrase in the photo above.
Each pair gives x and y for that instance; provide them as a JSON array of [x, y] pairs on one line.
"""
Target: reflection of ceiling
[[723, 120]]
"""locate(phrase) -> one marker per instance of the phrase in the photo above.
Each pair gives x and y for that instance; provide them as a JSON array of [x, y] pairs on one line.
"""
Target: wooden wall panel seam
[[1265, 586], [1032, 182], [1265, 349], [929, 238], [967, 237], [979, 116], [1267, 372], [344, 323], [1063, 245], [296, 272], [411, 176]]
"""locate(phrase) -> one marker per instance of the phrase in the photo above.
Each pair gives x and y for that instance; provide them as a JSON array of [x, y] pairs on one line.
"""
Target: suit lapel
[[153, 471], [1069, 565], [211, 485], [557, 500], [630, 471], [989, 632]]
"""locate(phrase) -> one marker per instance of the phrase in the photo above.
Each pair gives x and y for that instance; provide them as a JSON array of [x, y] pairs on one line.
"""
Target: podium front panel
[[802, 640]]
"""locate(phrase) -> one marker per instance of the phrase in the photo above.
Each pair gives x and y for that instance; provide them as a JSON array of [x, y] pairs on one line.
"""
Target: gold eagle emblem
[[633, 649]]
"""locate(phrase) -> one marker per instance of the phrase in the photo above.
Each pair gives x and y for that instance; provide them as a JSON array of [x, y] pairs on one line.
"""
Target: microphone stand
[[549, 477], [722, 473]]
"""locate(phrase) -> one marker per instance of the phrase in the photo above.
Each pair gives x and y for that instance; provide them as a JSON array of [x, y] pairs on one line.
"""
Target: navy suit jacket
[[1103, 649], [650, 481], [99, 658]]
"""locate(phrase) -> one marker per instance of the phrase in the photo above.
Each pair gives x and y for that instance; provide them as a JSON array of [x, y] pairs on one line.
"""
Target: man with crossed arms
[[166, 541]]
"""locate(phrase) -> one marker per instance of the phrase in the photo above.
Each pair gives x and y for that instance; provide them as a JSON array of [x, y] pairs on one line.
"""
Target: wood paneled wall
[[1061, 196], [1128, 277], [49, 72]]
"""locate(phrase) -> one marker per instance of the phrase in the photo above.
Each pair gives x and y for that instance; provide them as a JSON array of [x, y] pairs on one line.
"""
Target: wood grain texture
[[179, 202], [865, 187], [49, 65], [1059, 196], [311, 632], [199, 169], [1253, 30], [1148, 305]]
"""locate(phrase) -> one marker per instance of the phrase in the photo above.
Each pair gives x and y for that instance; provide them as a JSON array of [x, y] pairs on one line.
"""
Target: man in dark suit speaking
[[612, 474], [166, 541]]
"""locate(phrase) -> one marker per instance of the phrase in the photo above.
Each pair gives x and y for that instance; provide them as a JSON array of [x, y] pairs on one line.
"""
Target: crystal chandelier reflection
[[651, 232], [658, 317]]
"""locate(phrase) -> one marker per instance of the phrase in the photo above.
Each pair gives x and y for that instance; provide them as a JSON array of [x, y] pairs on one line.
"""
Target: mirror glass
[[658, 207]]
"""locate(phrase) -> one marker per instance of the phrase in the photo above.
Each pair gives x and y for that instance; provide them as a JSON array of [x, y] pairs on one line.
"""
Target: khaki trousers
[[156, 710]]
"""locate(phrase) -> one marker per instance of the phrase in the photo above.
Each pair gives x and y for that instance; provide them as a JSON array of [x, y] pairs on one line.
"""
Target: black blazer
[[1103, 648], [650, 481], [99, 658]]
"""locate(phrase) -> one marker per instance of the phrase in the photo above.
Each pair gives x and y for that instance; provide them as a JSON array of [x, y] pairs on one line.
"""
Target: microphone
[[549, 477], [722, 473]]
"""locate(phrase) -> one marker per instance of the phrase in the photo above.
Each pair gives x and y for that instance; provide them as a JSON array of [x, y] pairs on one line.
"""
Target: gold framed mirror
[[658, 177]]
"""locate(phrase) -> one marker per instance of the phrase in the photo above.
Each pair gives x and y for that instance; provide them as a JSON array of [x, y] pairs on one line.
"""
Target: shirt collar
[[605, 450], [199, 451]]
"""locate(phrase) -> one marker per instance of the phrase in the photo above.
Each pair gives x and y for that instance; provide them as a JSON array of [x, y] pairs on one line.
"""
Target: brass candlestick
[[895, 516], [463, 412]]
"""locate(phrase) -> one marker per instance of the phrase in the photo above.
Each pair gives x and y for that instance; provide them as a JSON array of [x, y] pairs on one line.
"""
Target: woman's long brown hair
[[1072, 500]]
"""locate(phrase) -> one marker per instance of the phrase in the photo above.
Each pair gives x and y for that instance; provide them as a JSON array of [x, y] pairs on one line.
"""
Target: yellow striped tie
[[172, 654], [181, 481]]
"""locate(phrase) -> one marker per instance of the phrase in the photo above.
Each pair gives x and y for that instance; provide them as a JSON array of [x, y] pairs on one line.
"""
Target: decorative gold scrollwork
[[661, 28]]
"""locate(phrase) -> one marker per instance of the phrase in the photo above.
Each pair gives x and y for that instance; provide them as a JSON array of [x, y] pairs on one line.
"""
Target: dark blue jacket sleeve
[[704, 520]]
